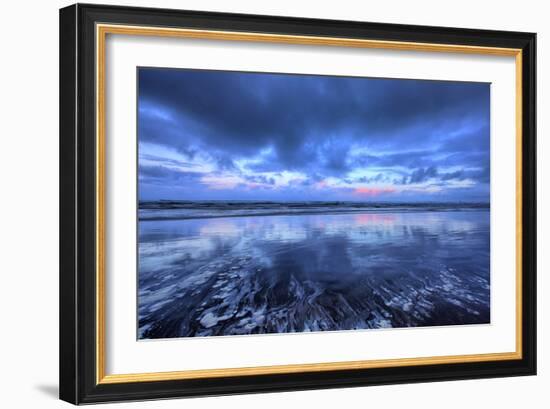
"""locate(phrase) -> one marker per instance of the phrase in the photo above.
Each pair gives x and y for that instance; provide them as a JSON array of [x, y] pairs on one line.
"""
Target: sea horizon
[[195, 209]]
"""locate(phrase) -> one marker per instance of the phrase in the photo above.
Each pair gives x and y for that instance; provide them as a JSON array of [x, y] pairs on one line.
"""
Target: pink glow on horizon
[[372, 191]]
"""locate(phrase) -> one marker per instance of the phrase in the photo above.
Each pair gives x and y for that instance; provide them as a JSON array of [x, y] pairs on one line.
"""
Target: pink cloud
[[372, 191], [321, 184]]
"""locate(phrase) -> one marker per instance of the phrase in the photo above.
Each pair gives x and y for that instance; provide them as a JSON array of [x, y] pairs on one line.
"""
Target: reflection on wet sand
[[312, 272]]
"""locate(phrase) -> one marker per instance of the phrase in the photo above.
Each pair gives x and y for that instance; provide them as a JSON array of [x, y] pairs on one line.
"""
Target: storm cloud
[[291, 137]]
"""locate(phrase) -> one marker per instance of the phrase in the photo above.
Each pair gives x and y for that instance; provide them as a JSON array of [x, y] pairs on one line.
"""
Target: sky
[[221, 135]]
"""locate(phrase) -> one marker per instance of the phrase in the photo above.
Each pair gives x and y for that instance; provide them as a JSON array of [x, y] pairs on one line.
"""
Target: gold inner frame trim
[[101, 33]]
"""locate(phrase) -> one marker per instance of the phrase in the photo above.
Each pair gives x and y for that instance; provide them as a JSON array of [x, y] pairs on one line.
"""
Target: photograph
[[251, 202], [274, 203]]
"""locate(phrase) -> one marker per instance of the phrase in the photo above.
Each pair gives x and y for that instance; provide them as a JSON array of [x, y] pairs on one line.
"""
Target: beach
[[251, 268]]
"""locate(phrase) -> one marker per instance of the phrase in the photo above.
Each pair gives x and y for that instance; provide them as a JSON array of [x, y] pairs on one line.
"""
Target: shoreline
[[314, 212]]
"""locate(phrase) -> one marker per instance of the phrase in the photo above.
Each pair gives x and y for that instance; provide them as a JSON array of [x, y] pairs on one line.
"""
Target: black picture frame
[[78, 308]]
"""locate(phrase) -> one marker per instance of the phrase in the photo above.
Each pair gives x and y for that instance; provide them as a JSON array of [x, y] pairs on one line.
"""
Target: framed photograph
[[257, 203]]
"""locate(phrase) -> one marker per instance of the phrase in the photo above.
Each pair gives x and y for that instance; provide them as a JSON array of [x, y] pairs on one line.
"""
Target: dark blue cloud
[[325, 128], [163, 175]]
